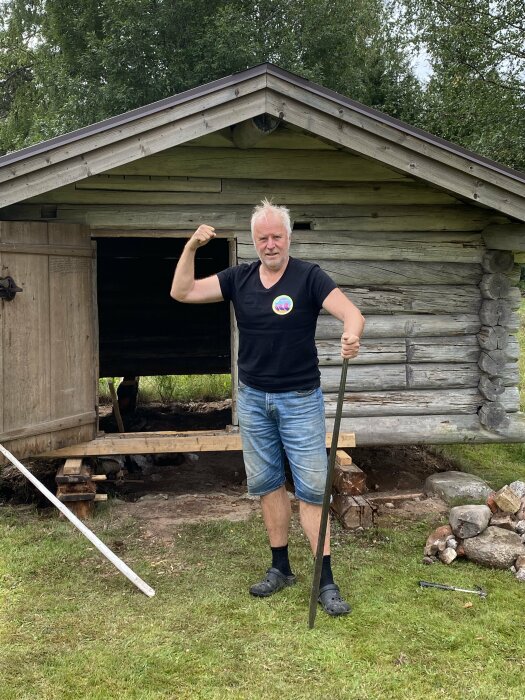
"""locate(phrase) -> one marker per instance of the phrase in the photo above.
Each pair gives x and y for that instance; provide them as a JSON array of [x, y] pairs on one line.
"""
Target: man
[[280, 404]]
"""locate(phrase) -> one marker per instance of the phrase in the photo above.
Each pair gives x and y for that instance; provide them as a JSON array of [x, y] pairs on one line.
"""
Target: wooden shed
[[424, 236]]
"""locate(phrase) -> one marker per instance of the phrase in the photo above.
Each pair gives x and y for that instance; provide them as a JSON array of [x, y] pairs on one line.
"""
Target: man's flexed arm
[[184, 286]]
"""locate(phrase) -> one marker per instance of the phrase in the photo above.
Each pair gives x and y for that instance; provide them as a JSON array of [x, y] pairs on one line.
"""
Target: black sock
[[326, 572], [280, 560]]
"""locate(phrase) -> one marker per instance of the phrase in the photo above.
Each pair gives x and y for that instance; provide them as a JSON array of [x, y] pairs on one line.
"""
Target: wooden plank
[[405, 152], [71, 316], [404, 325], [29, 249], [429, 246], [35, 444], [433, 429], [52, 426], [26, 338], [94, 162], [259, 164], [73, 467], [343, 459], [149, 184], [154, 443]]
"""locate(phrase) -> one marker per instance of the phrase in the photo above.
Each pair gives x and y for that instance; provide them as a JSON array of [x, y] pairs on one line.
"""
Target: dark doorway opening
[[150, 339], [142, 331]]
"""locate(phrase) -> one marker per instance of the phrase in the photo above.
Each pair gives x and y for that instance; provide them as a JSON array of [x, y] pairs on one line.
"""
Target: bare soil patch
[[173, 489]]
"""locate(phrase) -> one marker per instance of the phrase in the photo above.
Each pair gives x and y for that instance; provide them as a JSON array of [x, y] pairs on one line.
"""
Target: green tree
[[77, 63], [476, 93]]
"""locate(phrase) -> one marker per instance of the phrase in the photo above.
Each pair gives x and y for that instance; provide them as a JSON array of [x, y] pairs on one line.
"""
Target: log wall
[[440, 338]]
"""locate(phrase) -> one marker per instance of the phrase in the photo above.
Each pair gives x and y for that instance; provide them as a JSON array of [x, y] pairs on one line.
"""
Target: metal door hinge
[[8, 288]]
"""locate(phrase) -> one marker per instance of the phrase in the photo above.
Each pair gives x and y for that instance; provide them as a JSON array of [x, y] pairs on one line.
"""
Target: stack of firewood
[[348, 503]]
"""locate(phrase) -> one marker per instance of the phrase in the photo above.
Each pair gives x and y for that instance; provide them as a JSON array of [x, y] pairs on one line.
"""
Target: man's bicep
[[205, 291]]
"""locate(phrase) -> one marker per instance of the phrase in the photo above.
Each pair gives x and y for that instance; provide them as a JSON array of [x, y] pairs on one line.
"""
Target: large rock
[[469, 521], [518, 487], [495, 547], [451, 486], [507, 500], [437, 540]]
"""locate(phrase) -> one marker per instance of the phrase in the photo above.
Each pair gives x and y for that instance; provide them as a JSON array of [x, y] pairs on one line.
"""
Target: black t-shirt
[[277, 326]]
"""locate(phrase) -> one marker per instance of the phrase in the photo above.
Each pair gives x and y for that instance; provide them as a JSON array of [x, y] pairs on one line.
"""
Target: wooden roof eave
[[477, 182], [266, 88], [93, 154]]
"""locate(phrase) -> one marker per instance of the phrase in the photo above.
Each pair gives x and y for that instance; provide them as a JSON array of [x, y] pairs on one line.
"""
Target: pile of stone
[[492, 534]]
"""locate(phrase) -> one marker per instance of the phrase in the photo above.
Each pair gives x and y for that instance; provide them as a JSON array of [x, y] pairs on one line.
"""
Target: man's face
[[271, 242]]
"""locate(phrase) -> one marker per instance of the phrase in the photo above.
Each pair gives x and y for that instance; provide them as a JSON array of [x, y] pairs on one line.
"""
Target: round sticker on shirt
[[282, 304]]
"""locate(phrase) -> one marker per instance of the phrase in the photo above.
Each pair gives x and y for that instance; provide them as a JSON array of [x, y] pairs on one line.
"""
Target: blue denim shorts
[[291, 423]]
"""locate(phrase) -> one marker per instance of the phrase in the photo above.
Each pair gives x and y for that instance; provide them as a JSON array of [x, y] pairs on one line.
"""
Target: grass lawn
[[71, 626]]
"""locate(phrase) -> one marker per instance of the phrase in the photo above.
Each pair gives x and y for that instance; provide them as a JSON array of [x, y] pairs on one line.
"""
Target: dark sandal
[[274, 581], [330, 599]]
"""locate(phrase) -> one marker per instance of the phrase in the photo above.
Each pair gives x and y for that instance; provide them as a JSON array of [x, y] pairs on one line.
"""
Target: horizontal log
[[492, 415], [404, 325], [498, 261], [493, 337], [491, 388], [429, 430], [391, 272], [249, 132], [405, 218], [505, 237], [426, 246], [402, 191], [366, 272], [426, 349], [428, 299], [492, 362], [352, 217], [396, 350], [497, 312], [259, 164], [494, 285], [163, 189], [425, 375], [417, 402]]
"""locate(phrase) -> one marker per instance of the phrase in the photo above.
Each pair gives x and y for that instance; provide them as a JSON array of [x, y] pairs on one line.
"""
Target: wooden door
[[49, 348]]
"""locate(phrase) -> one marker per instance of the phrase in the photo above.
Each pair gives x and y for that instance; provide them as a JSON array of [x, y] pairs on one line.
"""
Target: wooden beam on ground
[[166, 442]]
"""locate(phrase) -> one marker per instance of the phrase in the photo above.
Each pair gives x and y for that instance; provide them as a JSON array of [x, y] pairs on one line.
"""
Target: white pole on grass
[[123, 568]]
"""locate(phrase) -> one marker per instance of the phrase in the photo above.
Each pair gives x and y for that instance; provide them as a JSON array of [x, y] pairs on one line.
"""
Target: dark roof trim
[[396, 123], [263, 68], [132, 115]]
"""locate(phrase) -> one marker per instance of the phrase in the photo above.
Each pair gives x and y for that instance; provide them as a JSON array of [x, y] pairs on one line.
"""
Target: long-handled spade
[[326, 500]]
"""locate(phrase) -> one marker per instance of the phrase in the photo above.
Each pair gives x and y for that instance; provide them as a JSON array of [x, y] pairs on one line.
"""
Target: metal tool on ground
[[478, 591], [106, 551], [326, 500]]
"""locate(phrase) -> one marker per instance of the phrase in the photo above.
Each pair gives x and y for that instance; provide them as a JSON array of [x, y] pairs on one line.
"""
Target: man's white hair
[[266, 207]]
